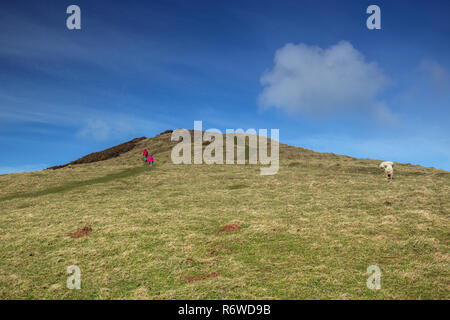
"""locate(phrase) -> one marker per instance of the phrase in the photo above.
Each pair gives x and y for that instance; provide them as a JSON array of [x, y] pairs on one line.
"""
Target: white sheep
[[388, 167]]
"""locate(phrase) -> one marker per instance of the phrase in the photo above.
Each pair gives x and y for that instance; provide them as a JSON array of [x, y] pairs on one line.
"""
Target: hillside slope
[[309, 231]]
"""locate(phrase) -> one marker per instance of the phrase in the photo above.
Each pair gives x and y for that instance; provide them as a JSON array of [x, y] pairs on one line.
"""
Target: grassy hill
[[308, 232]]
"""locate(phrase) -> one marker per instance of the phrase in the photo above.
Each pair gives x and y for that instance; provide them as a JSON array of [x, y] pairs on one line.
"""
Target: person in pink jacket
[[145, 154], [150, 160]]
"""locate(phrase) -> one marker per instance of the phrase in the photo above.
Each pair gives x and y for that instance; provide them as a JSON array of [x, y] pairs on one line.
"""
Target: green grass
[[308, 232], [237, 186]]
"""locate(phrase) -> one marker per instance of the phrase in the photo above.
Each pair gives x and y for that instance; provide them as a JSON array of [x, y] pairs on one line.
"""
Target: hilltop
[[109, 153], [309, 231]]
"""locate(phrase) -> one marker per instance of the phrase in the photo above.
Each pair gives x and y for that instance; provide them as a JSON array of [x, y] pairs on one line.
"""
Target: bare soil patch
[[218, 248], [81, 232], [230, 227], [201, 277]]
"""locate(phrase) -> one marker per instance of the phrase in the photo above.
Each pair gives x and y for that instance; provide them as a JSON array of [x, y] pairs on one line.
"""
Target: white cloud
[[310, 79], [98, 130], [383, 115], [117, 126], [437, 74], [87, 122]]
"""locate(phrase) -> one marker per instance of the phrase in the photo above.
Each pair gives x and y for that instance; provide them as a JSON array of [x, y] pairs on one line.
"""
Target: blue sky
[[310, 68]]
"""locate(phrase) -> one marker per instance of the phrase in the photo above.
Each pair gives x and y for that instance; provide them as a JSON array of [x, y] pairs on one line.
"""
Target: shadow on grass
[[237, 186], [73, 185]]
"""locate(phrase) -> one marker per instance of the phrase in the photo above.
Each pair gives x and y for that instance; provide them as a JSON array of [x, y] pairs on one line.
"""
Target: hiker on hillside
[[145, 154], [150, 160]]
